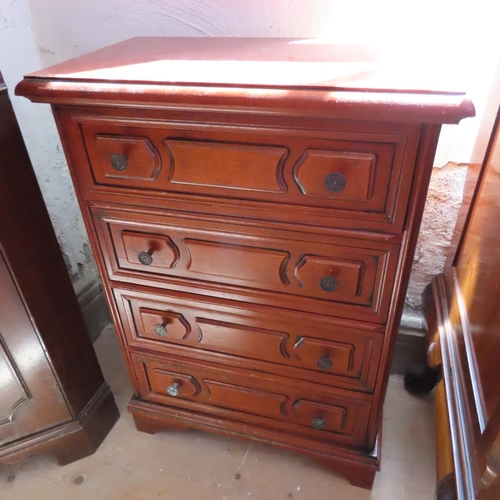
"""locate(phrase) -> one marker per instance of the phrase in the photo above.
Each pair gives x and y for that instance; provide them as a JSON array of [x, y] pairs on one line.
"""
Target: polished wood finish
[[241, 335], [289, 168], [285, 406], [265, 266], [463, 322], [30, 399], [254, 229], [54, 399], [445, 471]]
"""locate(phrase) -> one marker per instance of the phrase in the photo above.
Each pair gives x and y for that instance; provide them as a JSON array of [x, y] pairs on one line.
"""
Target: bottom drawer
[[259, 399]]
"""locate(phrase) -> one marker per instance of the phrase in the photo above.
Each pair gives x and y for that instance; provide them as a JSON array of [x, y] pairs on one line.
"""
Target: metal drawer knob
[[335, 182], [145, 258], [328, 283], [318, 424], [161, 330], [173, 390], [325, 363], [118, 162]]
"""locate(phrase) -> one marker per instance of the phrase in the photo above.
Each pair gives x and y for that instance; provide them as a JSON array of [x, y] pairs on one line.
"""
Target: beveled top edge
[[339, 104], [279, 63]]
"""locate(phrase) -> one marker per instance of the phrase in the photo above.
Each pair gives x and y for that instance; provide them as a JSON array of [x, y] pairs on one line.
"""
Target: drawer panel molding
[[342, 176], [240, 394], [125, 157], [227, 165], [194, 326], [339, 277]]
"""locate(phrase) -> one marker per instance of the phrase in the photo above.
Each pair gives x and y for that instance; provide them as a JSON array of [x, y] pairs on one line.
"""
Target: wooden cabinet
[[254, 207], [53, 397], [463, 319], [31, 401]]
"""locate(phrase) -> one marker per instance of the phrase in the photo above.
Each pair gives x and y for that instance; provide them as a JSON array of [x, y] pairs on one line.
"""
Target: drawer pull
[[173, 390], [328, 283], [161, 330], [118, 162], [146, 258], [335, 182], [318, 424], [325, 363]]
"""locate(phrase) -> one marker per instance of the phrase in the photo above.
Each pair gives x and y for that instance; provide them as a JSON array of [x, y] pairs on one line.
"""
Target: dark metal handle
[[325, 363], [173, 390], [161, 330], [118, 162], [145, 257], [318, 424], [335, 182], [328, 283]]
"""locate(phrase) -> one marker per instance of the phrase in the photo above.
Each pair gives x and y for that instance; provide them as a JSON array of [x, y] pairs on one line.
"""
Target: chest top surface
[[308, 71]]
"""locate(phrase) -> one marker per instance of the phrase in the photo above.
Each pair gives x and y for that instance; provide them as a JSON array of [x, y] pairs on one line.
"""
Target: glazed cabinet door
[[30, 399]]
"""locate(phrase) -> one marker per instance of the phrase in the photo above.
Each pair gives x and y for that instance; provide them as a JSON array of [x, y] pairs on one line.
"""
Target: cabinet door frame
[[37, 402]]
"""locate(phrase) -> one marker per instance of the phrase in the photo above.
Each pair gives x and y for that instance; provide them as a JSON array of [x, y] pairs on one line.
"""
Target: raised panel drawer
[[350, 175], [295, 346], [335, 276], [239, 395]]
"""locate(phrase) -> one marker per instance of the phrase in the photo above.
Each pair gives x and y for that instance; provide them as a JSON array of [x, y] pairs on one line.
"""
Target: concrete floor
[[194, 465]]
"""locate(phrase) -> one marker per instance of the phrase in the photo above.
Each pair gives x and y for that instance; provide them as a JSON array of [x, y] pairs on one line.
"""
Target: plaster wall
[[19, 55], [36, 33]]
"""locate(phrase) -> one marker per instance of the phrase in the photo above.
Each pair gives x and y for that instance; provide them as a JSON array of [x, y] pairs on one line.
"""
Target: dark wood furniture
[[463, 336], [53, 396], [253, 205]]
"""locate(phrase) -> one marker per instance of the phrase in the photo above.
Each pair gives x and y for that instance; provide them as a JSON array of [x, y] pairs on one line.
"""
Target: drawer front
[[327, 274], [348, 175], [295, 346], [269, 402]]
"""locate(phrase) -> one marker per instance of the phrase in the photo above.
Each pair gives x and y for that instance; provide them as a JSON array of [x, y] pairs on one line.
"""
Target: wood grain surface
[[235, 185]]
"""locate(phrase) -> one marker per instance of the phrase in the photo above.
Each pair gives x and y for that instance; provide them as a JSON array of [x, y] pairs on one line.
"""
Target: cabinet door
[[30, 399]]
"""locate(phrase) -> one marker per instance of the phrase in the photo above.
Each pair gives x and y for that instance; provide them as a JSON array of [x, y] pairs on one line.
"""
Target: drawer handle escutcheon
[[161, 330], [335, 182], [118, 162], [145, 258], [173, 390], [325, 363], [328, 283], [318, 424]]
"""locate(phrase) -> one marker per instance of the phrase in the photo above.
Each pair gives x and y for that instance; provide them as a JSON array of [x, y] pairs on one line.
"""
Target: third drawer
[[300, 346]]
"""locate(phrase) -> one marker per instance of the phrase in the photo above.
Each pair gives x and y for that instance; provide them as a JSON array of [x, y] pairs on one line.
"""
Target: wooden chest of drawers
[[253, 206]]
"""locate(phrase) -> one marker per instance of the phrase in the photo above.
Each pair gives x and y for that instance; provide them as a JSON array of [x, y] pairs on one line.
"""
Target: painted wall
[[44, 32], [19, 55]]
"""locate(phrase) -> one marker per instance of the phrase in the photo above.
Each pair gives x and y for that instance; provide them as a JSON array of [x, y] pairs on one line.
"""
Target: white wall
[[19, 55], [65, 28]]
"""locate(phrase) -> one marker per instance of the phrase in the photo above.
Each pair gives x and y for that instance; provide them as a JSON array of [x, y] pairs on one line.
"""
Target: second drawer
[[301, 347], [345, 277]]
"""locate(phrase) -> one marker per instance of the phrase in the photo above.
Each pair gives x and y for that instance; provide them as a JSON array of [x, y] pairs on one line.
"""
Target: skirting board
[[93, 305], [410, 354]]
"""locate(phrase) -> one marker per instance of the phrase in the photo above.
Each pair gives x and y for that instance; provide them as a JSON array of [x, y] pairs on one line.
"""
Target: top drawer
[[311, 174]]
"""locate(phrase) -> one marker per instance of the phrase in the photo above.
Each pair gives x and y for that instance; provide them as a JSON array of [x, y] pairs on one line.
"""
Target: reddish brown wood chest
[[253, 206]]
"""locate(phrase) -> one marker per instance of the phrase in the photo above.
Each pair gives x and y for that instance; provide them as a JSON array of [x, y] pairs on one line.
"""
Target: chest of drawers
[[253, 206]]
